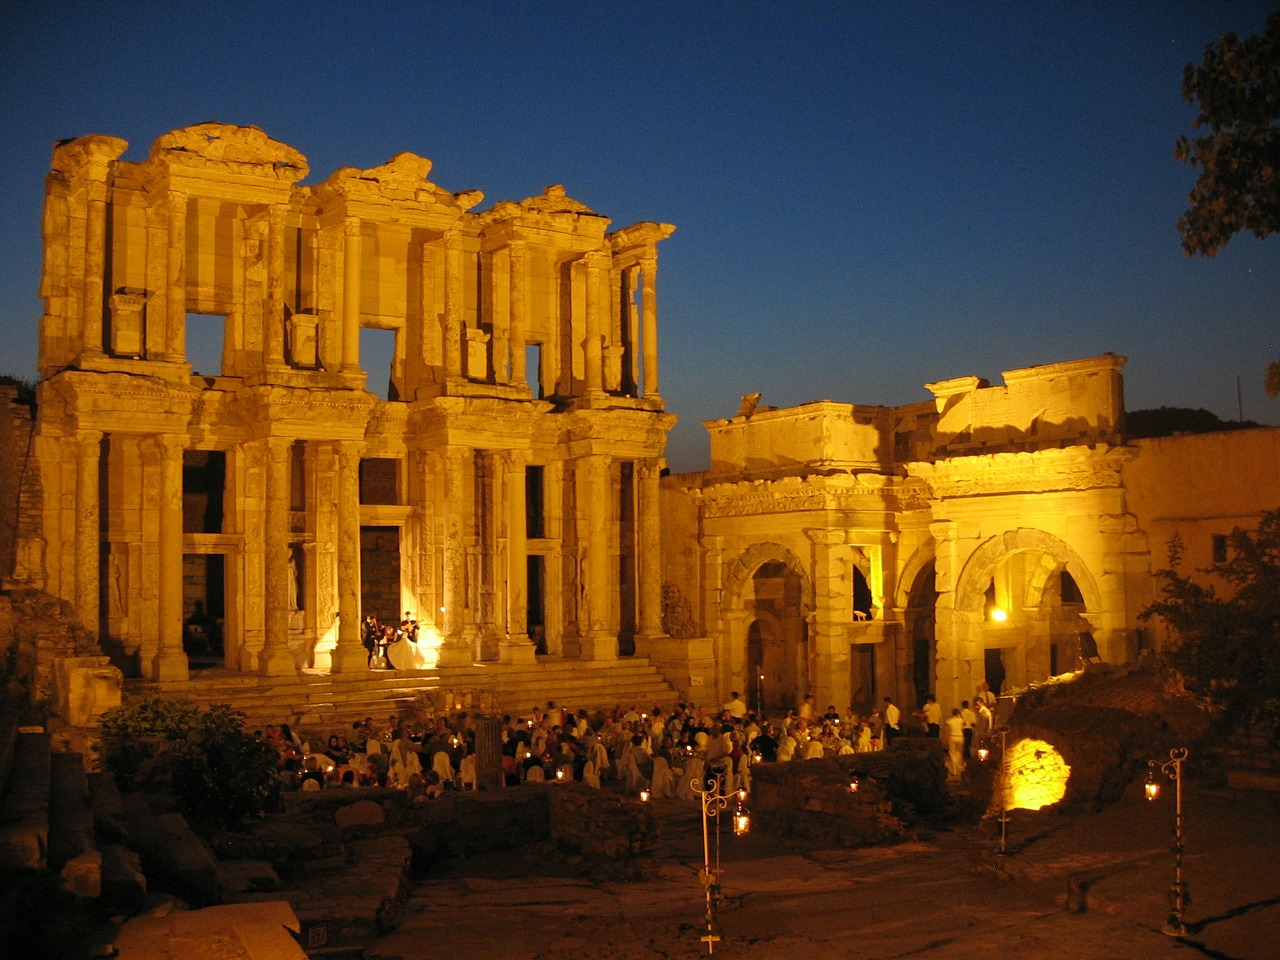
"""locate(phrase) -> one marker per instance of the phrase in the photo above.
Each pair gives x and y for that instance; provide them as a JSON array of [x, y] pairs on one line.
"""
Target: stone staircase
[[312, 701]]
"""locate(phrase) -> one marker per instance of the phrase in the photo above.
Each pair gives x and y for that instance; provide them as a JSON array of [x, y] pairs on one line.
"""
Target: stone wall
[[811, 800], [614, 836]]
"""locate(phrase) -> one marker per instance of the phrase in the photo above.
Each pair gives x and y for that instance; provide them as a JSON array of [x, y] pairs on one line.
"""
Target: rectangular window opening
[[379, 480], [377, 357], [533, 369], [204, 477], [205, 338], [534, 512]]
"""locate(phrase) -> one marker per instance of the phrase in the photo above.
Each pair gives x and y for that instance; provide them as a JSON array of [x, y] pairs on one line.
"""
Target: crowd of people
[[626, 749]]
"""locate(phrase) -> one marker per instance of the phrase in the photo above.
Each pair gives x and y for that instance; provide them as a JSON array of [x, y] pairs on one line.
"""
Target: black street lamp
[[1179, 895]]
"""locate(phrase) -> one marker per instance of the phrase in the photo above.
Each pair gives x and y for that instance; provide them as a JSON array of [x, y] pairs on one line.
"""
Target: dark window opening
[[204, 475], [1070, 589], [298, 475], [534, 512], [379, 480], [533, 368], [861, 596]]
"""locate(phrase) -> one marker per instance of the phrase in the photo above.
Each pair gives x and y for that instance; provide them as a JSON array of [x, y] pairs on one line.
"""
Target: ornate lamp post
[[709, 790], [1002, 781], [1179, 895]]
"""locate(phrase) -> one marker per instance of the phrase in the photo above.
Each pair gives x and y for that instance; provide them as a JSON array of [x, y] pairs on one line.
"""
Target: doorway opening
[[380, 573], [203, 609]]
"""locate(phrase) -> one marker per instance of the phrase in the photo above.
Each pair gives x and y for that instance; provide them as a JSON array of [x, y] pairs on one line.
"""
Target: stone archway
[[768, 599], [1023, 574]]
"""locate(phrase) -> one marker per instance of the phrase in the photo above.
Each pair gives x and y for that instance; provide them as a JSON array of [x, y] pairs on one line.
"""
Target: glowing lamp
[[757, 757], [742, 794], [983, 753], [741, 822], [644, 796], [561, 774], [854, 784], [1151, 789]]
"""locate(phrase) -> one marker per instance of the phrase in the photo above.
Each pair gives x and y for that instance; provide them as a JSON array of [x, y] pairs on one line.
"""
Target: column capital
[[351, 226]]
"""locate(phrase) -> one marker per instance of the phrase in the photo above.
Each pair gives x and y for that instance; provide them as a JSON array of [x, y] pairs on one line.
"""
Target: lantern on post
[[1179, 894]]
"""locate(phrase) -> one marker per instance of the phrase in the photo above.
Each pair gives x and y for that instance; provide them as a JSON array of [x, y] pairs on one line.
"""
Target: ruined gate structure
[[505, 494], [997, 533]]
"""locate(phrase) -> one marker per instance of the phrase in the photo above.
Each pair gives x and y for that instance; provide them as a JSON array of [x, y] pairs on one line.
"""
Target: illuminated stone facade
[[506, 493], [987, 536]]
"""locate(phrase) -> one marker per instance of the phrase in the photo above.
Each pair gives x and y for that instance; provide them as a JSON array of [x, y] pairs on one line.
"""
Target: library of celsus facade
[[505, 494]]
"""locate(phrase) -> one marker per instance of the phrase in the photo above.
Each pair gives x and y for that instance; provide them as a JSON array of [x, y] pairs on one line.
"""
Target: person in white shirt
[[736, 707], [955, 744], [892, 720], [970, 722]]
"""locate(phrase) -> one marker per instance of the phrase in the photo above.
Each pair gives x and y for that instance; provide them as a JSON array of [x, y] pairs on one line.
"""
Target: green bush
[[219, 774]]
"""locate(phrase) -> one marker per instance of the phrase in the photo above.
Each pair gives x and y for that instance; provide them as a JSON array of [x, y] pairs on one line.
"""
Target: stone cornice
[[1041, 471]]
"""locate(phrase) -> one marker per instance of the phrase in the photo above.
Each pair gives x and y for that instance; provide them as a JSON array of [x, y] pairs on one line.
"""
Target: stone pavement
[[1085, 886]]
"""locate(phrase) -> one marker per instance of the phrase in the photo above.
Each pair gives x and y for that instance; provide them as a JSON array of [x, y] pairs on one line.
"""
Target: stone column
[[349, 656], [517, 648], [275, 659], [649, 323], [351, 295], [649, 547], [455, 649], [594, 347], [170, 662], [88, 453], [453, 342], [833, 610], [273, 307], [595, 497], [95, 265], [519, 304], [176, 278]]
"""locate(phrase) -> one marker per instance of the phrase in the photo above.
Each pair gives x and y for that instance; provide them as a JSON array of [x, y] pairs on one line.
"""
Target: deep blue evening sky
[[869, 196]]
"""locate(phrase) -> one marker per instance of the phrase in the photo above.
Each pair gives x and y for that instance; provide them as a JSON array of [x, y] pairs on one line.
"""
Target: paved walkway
[[1090, 886]]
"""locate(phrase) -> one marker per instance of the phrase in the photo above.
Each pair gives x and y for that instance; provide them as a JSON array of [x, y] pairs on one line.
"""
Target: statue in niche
[[292, 580]]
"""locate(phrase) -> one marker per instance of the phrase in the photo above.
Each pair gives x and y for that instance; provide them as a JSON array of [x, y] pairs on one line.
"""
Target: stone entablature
[[873, 494], [1043, 471], [525, 346]]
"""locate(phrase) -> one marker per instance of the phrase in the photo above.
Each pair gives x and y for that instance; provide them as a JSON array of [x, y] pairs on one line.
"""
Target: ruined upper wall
[[766, 443], [1054, 404]]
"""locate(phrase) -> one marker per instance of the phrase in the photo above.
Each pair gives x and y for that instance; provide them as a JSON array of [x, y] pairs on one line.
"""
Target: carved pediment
[[246, 149]]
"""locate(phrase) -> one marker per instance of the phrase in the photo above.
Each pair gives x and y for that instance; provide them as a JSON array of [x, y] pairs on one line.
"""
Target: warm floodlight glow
[[997, 615], [1037, 775]]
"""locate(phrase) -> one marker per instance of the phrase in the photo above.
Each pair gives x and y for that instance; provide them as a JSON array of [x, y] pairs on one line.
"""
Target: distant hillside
[[1167, 421]]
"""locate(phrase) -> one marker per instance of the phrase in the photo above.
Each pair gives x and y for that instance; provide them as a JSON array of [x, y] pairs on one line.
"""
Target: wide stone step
[[317, 700]]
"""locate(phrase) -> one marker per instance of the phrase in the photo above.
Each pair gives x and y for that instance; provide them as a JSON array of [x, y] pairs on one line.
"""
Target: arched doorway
[[1029, 592], [782, 667]]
